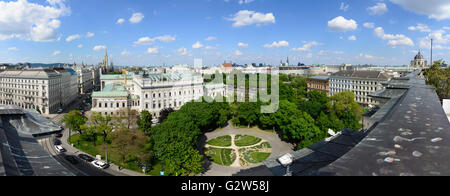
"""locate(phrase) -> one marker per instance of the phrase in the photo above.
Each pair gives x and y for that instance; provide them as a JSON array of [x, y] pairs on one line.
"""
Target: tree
[[248, 113], [121, 142], [145, 121], [164, 114], [127, 116], [302, 130], [439, 78], [74, 119], [344, 106], [98, 124]]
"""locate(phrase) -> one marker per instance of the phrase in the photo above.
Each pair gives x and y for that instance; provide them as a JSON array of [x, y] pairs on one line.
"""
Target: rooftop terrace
[[410, 136]]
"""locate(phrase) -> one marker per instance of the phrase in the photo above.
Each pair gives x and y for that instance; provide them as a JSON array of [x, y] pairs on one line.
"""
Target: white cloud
[[210, 48], [73, 37], [150, 41], [440, 40], [245, 1], [369, 25], [211, 38], [181, 51], [344, 7], [420, 27], [31, 21], [197, 45], [120, 21], [340, 24], [275, 44], [393, 40], [435, 9], [238, 53], [246, 17], [154, 50], [57, 52], [306, 46], [352, 38], [90, 34], [97, 48], [136, 18], [125, 53], [367, 56], [80, 46], [242, 45], [378, 9], [13, 49]]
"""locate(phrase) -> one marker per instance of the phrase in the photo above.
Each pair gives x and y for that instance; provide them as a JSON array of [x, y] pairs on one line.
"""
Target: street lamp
[[287, 161]]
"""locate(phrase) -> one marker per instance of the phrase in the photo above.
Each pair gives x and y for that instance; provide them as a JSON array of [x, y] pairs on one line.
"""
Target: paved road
[[113, 170], [81, 169]]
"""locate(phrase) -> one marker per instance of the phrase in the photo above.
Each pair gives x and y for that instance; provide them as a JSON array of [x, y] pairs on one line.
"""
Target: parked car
[[60, 111], [59, 135], [60, 149], [57, 142], [72, 159], [86, 158], [100, 164]]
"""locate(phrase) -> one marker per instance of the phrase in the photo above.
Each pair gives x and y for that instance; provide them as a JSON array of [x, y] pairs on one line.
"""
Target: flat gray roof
[[20, 153]]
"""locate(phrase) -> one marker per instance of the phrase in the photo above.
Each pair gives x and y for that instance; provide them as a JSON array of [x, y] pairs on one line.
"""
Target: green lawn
[[254, 157], [86, 145], [259, 156], [224, 141], [221, 156], [245, 140]]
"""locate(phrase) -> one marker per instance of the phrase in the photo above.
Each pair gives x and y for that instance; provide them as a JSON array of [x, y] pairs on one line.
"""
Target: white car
[[100, 164], [60, 149]]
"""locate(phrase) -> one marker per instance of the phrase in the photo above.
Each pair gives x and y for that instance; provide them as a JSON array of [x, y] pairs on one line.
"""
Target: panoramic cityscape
[[229, 88]]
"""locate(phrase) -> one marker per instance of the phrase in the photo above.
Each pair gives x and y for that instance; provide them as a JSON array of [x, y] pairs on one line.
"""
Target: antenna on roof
[[431, 63]]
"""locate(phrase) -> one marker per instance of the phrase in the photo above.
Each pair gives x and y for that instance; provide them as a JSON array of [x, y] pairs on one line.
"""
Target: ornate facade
[[419, 61]]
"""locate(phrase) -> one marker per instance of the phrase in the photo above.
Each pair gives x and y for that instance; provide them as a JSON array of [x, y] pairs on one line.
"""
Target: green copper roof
[[116, 77], [112, 90]]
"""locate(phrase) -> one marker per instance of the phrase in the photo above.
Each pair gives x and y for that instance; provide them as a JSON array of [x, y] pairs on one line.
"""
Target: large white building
[[361, 83], [46, 90], [151, 92]]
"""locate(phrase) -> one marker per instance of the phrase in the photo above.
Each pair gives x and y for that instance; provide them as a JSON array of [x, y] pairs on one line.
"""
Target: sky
[[169, 32]]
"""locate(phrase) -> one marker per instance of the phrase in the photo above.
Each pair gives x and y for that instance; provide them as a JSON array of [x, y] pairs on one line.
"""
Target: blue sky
[[157, 32]]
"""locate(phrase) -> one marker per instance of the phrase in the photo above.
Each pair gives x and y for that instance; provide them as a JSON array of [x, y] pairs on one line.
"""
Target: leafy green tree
[[439, 78], [99, 125], [74, 119], [302, 130], [248, 113], [164, 114], [145, 121], [344, 106]]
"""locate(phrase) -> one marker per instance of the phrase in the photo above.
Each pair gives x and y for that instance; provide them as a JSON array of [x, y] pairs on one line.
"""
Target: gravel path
[[279, 148]]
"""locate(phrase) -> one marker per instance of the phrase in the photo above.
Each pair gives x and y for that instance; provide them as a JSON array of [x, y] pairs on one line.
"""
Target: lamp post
[[287, 161]]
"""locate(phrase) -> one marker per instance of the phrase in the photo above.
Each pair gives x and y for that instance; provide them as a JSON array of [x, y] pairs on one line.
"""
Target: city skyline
[[172, 32]]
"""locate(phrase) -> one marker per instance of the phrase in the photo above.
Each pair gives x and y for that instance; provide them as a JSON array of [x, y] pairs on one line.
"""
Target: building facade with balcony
[[46, 90]]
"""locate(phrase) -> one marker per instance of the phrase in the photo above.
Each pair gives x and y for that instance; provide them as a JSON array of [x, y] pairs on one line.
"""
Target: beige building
[[46, 90], [319, 83]]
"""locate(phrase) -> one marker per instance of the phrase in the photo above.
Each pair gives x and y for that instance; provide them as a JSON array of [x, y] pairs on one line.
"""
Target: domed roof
[[418, 56]]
